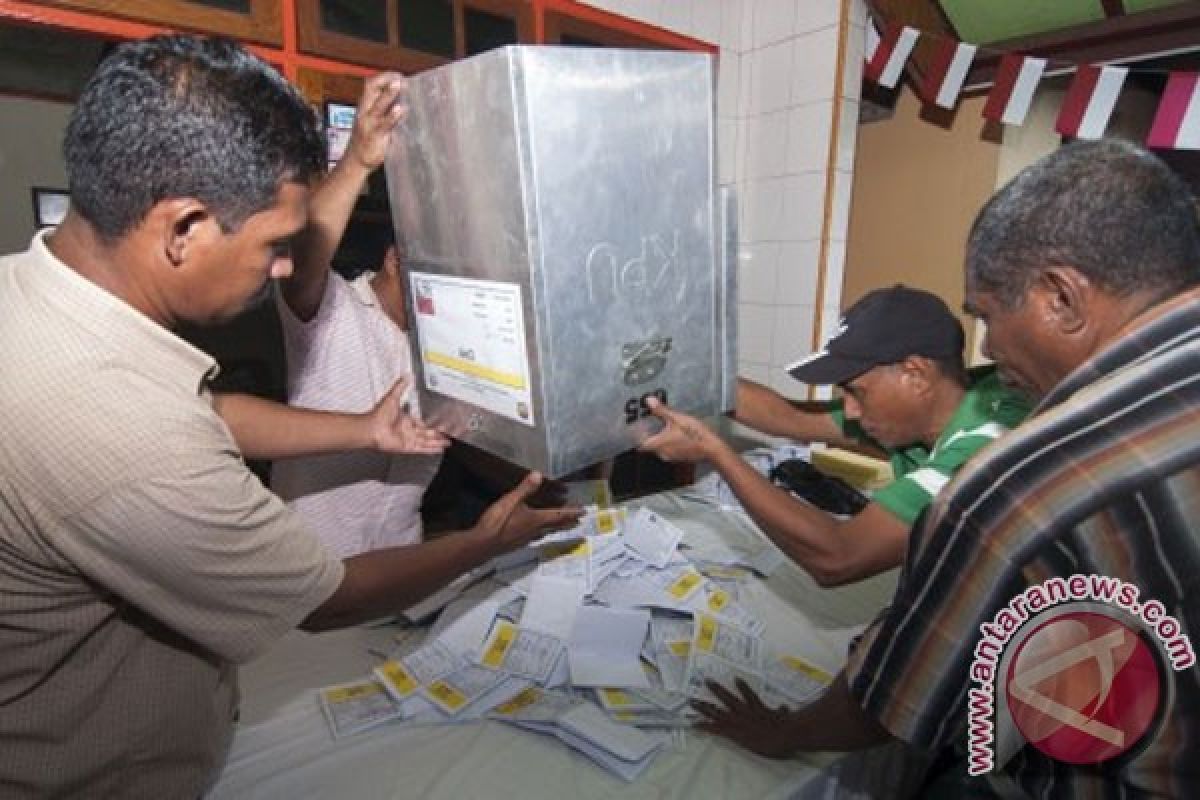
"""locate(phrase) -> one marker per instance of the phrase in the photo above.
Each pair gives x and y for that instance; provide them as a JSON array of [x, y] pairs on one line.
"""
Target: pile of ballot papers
[[599, 636]]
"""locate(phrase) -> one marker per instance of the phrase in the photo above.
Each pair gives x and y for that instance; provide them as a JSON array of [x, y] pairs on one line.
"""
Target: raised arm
[[379, 109], [833, 551]]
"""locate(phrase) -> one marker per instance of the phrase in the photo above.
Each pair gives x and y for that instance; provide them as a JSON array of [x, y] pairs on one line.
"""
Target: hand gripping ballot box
[[568, 252]]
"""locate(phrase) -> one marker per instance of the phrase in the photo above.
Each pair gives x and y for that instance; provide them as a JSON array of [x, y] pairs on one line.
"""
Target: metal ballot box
[[566, 248]]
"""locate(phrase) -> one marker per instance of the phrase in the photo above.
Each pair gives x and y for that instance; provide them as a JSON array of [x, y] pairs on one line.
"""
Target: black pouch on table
[[824, 491]]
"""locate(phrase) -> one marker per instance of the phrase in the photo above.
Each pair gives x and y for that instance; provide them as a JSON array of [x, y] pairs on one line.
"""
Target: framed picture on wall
[[49, 206]]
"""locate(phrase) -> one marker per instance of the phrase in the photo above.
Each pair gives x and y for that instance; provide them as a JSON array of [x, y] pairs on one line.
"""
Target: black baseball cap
[[884, 327]]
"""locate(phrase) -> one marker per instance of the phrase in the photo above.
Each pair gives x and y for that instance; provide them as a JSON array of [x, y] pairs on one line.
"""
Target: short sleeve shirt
[[987, 411], [139, 558], [345, 359]]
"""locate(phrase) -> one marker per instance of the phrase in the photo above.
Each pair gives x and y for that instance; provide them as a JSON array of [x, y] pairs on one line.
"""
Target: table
[[283, 748]]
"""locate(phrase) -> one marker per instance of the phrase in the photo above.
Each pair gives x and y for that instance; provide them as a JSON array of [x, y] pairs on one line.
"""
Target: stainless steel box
[[566, 250]]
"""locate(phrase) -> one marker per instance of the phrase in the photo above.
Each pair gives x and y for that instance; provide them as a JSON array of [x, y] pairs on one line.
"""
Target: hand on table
[[745, 719], [397, 432]]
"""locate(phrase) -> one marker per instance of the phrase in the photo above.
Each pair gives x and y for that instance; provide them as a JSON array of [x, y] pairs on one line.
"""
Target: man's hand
[[747, 721], [379, 109], [395, 431], [509, 522], [683, 438]]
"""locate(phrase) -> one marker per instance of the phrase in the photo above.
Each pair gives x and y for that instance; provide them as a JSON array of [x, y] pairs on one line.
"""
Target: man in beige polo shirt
[[139, 558]]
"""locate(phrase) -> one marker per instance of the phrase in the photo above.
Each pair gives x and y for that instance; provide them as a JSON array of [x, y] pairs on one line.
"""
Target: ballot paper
[[794, 678], [719, 603], [623, 700], [552, 604], [671, 659], [571, 559], [425, 609], [430, 662], [604, 522], [605, 647], [722, 653], [521, 651], [652, 537], [465, 623], [595, 493], [456, 691], [353, 707], [399, 682], [534, 704], [622, 749]]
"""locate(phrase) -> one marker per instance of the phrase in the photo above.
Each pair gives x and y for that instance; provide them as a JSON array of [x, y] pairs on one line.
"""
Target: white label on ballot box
[[472, 338]]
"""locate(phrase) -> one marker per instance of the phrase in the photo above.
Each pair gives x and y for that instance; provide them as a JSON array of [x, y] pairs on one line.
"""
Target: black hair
[[1108, 208], [954, 369], [186, 116]]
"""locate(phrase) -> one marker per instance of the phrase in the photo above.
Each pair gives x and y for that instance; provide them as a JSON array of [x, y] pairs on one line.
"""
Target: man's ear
[[1064, 296], [182, 223], [918, 370]]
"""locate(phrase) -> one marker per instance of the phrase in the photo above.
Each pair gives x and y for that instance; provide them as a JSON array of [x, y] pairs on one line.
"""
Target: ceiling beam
[[1131, 37]]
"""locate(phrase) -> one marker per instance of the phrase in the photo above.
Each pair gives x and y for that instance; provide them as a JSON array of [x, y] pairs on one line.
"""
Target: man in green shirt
[[906, 397]]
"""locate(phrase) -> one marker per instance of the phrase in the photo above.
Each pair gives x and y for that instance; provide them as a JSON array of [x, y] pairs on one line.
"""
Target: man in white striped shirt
[[906, 396]]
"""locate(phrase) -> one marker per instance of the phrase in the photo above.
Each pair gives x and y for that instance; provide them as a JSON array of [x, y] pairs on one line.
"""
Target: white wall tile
[[745, 84], [676, 15], [808, 137], [762, 220], [835, 268], [731, 25], [847, 135], [792, 334], [858, 12], [759, 373], [786, 385], [766, 145], [843, 187], [769, 85], [814, 66], [758, 269], [812, 15], [802, 215], [797, 280], [729, 81], [706, 19], [642, 10], [772, 21], [755, 326], [726, 150], [852, 69], [739, 155], [831, 320]]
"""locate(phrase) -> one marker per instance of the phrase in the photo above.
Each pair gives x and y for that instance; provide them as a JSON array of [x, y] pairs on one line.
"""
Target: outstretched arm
[[833, 551], [384, 581], [768, 411], [264, 429], [379, 109]]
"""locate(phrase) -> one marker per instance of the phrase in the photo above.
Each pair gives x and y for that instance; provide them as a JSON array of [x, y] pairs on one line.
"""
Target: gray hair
[[1108, 208]]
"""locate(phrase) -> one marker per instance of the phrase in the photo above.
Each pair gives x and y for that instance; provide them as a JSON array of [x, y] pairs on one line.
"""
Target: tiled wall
[[786, 135]]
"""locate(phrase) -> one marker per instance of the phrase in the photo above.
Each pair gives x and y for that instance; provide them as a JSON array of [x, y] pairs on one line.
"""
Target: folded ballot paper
[[598, 636]]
